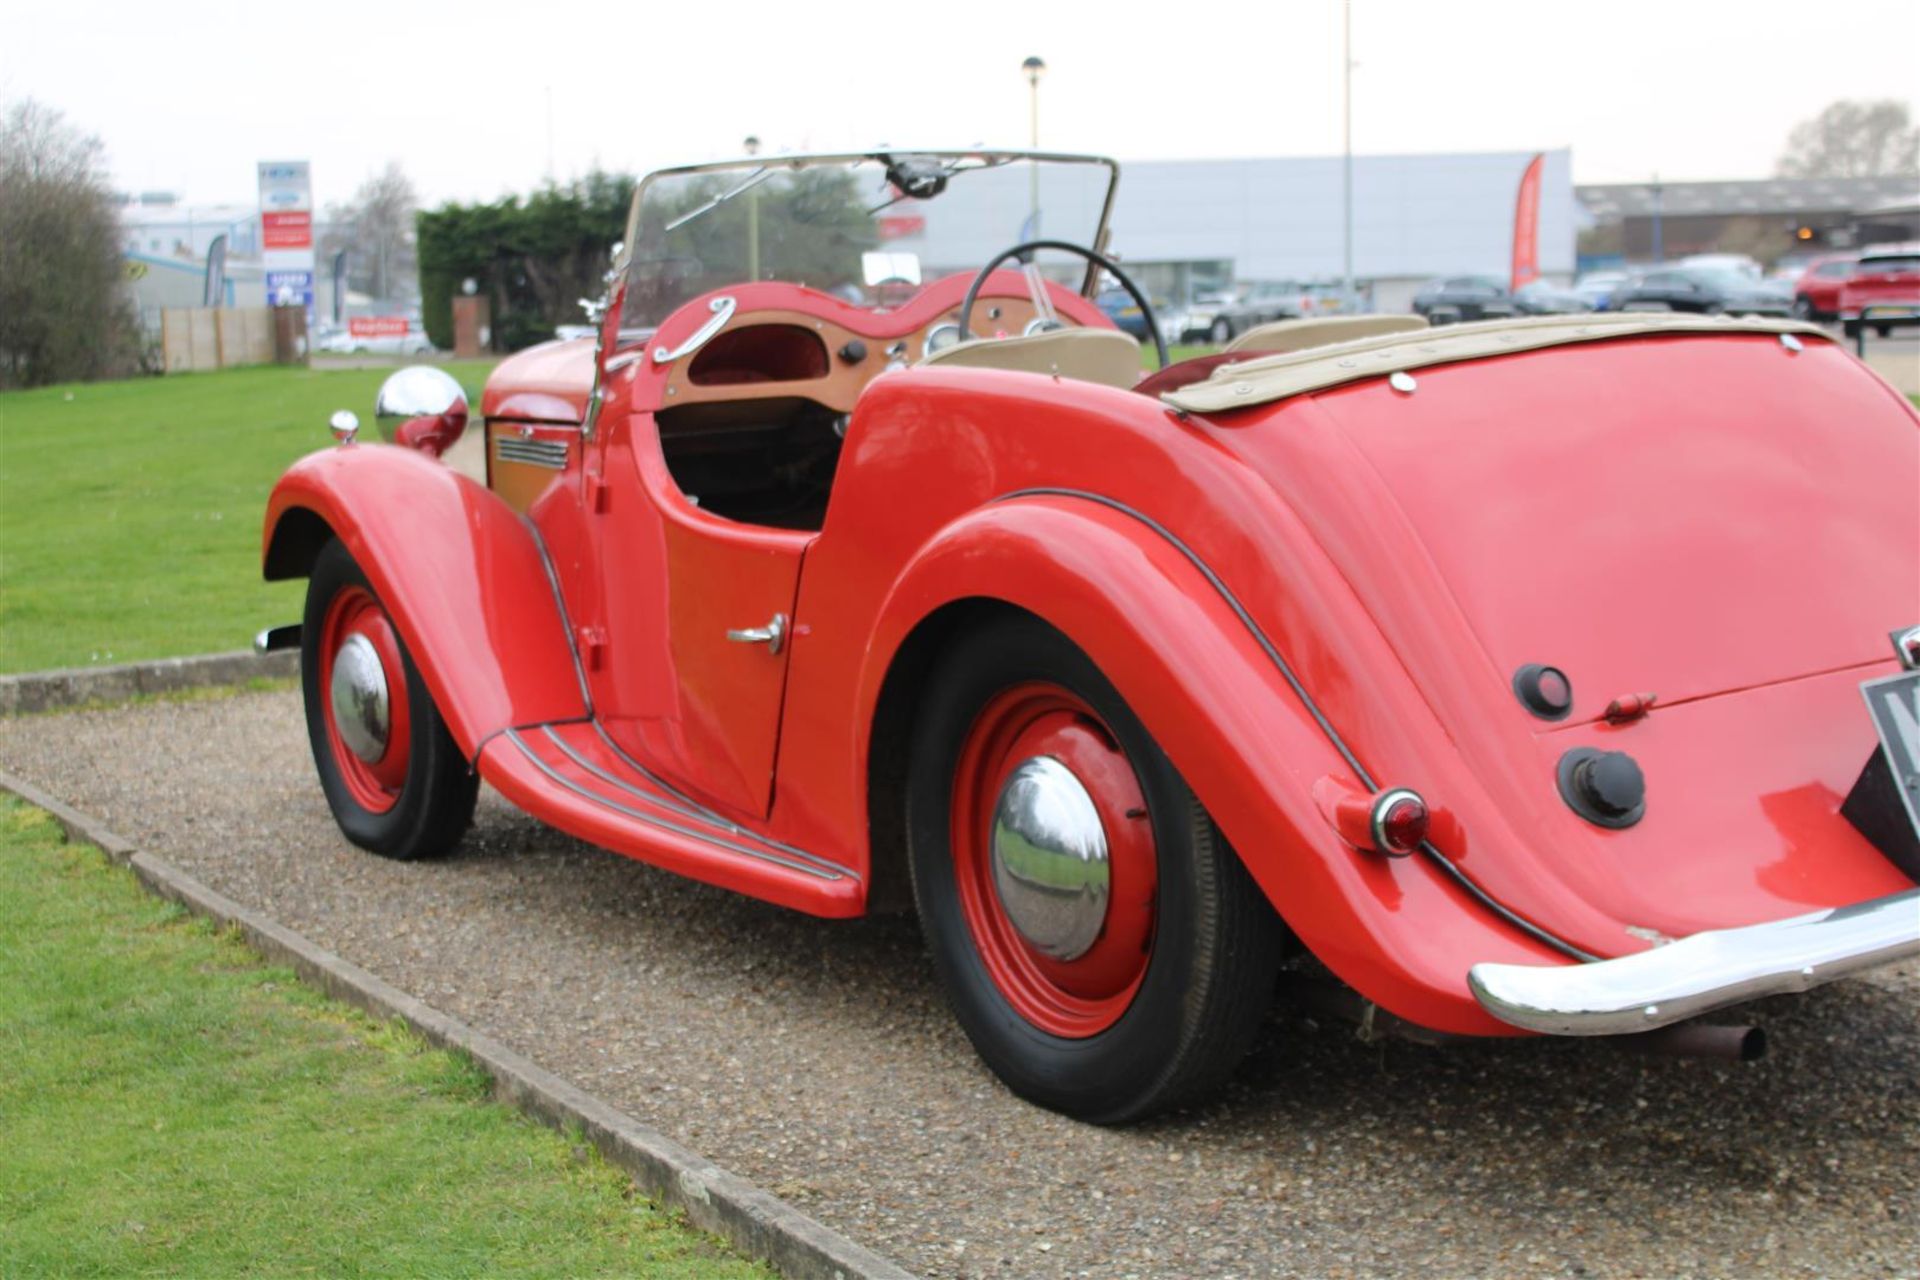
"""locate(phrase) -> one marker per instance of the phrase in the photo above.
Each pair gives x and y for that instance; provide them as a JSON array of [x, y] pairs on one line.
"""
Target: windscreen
[[871, 230]]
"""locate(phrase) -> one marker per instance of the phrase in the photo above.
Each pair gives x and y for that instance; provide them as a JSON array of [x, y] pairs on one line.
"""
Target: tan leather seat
[[1106, 356], [1321, 331]]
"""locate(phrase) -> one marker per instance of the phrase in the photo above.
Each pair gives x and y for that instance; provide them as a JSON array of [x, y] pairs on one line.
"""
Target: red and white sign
[[286, 230], [377, 326], [1526, 226], [901, 227]]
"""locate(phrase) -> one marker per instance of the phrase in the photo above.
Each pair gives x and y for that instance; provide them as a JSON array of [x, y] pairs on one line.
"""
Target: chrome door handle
[[773, 635]]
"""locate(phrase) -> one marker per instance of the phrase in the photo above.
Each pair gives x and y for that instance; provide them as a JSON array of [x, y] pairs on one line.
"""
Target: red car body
[[1306, 597]]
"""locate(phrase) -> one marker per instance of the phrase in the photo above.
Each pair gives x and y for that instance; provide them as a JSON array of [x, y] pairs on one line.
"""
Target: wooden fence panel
[[201, 339]]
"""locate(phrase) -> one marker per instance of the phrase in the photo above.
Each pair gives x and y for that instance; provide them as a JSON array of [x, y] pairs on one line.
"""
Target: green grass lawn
[[171, 1105], [130, 511]]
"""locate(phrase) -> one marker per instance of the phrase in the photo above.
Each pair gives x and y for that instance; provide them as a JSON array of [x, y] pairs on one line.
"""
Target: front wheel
[[1221, 333], [1101, 945], [393, 776]]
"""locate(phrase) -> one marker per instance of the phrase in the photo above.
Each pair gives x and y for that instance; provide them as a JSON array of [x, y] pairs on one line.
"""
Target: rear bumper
[[1703, 972]]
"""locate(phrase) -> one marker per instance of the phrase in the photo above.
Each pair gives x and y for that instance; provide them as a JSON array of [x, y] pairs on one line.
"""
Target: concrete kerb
[[71, 686], [758, 1224]]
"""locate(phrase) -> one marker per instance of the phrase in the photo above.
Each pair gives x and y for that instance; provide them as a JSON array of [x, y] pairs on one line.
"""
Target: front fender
[[1397, 930], [462, 575]]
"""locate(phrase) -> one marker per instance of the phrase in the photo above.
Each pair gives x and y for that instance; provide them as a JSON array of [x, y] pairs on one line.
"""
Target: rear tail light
[[1399, 822], [1394, 822]]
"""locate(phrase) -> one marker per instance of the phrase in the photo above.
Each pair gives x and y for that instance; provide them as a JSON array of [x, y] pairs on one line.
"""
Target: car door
[[685, 637]]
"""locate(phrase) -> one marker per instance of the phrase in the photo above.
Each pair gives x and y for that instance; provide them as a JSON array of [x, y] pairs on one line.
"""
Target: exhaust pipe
[[1699, 1040]]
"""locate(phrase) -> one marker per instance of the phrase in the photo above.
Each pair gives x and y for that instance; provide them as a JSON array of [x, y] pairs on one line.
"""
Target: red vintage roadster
[[1509, 674]]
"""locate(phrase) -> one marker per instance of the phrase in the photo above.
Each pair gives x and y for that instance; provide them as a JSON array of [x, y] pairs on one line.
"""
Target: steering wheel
[[1098, 259]]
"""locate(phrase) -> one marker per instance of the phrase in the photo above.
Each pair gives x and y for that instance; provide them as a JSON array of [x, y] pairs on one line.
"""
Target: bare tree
[[1854, 139], [376, 230], [64, 309]]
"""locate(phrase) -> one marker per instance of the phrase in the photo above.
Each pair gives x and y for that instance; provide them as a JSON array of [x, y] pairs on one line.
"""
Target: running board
[[574, 777]]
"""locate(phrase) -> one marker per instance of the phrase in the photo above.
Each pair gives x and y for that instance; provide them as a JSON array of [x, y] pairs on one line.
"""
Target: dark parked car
[[1538, 298], [1702, 289], [1464, 298]]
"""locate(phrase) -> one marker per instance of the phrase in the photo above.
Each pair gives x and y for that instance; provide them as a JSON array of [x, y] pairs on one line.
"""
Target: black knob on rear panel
[[1604, 787], [854, 352]]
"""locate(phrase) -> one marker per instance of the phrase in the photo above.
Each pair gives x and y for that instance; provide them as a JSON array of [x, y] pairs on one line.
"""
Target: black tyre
[[396, 782], [1106, 987], [1221, 333]]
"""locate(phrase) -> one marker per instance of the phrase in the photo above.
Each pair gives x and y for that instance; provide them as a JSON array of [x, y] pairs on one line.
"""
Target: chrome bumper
[[1706, 971]]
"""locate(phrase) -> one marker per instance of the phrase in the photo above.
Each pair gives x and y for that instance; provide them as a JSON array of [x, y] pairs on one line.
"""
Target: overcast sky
[[187, 97]]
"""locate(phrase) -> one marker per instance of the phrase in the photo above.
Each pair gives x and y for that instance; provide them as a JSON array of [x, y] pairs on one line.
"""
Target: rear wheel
[[1100, 943], [396, 782], [1222, 332]]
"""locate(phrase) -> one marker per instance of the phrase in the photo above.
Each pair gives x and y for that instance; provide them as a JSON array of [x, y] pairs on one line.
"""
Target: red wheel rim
[[1085, 995], [374, 785]]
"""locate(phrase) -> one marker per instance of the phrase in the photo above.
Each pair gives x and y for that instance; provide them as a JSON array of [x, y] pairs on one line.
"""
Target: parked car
[[1539, 298], [411, 341], [1597, 287], [1464, 298], [1220, 316], [1128, 316], [1816, 294], [1738, 264], [1495, 673], [1701, 290], [1888, 281]]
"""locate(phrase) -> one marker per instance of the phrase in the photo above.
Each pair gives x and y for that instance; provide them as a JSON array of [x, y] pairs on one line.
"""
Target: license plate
[[1894, 704]]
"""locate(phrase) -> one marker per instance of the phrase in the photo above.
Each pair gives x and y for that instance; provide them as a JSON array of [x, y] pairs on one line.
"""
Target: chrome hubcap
[[1050, 865], [359, 693]]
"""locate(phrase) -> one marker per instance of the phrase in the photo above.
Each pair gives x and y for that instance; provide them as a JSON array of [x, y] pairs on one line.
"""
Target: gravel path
[[817, 1059]]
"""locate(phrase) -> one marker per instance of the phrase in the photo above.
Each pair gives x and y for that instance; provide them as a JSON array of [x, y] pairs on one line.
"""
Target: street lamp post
[[1035, 68], [1346, 147], [752, 147]]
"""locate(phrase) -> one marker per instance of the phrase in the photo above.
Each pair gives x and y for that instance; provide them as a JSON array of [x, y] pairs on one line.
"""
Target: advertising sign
[[286, 232], [1526, 225], [377, 326], [290, 289]]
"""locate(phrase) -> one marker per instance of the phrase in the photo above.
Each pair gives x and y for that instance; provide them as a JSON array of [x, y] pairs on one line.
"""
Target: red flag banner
[[1526, 225]]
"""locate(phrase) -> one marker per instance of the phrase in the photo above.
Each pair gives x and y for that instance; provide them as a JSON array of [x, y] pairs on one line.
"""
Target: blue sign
[[290, 288]]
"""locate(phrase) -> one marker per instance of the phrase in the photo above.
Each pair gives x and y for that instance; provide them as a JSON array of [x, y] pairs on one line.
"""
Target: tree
[[534, 259], [64, 310], [376, 230], [1854, 139]]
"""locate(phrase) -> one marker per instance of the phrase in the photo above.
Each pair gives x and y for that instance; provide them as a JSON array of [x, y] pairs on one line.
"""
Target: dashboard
[[779, 352]]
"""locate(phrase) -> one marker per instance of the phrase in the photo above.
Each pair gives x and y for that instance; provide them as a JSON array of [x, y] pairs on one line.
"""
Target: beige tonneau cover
[[1275, 377]]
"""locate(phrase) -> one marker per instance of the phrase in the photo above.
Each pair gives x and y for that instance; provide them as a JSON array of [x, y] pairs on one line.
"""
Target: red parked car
[[1883, 291], [1816, 292], [1509, 674]]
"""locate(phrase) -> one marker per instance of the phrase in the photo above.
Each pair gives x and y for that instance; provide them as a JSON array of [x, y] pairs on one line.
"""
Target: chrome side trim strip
[[566, 620], [1700, 973], [1232, 601], [706, 837], [668, 798]]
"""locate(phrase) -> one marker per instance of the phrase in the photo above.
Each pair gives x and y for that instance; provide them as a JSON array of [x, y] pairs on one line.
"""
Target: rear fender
[[462, 575], [1397, 930]]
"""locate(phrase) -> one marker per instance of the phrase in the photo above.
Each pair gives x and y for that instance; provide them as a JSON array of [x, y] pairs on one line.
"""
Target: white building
[[1193, 224]]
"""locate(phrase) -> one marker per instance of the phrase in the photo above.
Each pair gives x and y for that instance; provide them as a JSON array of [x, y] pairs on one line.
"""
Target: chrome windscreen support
[[722, 308]]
